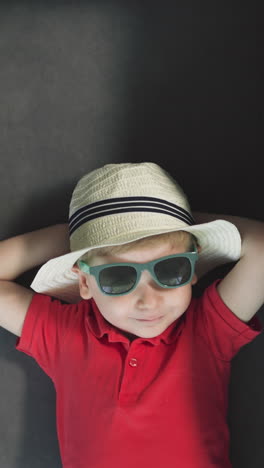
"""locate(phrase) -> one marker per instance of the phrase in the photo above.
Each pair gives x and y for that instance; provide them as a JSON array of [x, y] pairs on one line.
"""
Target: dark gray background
[[87, 83]]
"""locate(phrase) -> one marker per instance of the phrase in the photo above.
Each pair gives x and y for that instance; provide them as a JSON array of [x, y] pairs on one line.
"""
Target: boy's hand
[[242, 290], [17, 255]]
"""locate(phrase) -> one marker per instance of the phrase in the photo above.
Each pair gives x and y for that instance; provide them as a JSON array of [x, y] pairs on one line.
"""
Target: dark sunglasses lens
[[173, 271], [117, 279]]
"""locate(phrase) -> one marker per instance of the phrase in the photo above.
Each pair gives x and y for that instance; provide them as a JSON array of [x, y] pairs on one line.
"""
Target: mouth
[[154, 319]]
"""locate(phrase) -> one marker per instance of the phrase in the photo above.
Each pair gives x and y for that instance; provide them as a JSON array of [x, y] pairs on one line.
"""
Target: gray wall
[[87, 83]]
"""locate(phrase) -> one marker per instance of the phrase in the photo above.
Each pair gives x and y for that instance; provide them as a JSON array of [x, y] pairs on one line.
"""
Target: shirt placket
[[130, 386]]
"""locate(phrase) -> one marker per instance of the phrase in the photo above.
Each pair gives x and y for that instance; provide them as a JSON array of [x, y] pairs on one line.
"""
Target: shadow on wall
[[37, 444], [35, 439]]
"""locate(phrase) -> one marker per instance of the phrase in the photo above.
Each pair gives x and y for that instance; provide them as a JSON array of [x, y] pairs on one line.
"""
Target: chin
[[150, 334]]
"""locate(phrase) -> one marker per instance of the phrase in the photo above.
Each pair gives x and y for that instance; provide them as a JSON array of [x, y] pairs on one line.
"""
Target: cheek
[[180, 297], [113, 314], [113, 309]]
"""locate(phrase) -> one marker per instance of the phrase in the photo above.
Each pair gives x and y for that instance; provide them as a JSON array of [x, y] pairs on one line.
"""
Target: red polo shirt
[[153, 403]]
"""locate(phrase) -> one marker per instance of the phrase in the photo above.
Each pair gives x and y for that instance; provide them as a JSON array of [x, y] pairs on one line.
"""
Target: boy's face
[[149, 309]]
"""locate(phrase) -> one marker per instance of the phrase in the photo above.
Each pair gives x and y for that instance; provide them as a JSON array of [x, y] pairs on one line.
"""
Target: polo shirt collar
[[99, 326]]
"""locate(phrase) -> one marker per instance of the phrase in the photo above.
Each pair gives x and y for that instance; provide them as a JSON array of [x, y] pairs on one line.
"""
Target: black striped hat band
[[125, 205]]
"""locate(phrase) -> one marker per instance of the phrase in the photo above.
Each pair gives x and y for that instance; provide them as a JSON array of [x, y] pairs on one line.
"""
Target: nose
[[148, 292]]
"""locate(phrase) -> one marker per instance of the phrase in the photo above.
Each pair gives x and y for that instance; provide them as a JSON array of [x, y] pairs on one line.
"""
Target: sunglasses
[[118, 279]]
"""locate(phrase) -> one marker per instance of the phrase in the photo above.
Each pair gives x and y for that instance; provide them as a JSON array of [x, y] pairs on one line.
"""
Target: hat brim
[[219, 240]]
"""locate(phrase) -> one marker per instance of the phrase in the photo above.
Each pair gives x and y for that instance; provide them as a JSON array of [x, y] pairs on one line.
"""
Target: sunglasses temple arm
[[83, 266]]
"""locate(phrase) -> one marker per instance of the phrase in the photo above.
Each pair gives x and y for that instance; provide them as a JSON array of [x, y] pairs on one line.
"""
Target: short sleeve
[[224, 331], [47, 322]]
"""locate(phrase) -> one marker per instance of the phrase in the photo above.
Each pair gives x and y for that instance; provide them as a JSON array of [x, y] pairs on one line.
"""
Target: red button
[[133, 362]]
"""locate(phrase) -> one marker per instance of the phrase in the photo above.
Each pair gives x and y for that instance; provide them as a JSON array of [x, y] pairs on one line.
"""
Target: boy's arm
[[17, 255], [242, 289]]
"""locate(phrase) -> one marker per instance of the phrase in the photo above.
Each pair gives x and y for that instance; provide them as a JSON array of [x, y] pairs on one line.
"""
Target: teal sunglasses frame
[[139, 267]]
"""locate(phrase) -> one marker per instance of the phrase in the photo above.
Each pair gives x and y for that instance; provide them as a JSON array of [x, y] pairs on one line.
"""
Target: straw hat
[[120, 203]]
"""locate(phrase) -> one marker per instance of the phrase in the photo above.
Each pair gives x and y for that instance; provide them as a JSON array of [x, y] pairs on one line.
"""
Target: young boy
[[140, 367]]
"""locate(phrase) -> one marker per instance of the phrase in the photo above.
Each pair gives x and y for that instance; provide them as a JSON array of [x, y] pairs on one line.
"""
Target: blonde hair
[[175, 238]]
